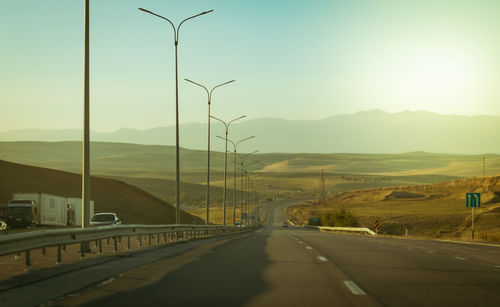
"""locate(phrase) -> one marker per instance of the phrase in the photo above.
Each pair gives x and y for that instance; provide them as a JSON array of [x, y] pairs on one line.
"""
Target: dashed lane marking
[[353, 287], [460, 258], [309, 248], [430, 252], [322, 258]]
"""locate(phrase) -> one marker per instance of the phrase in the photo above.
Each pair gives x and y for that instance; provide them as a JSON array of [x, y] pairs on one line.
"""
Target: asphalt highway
[[278, 266]]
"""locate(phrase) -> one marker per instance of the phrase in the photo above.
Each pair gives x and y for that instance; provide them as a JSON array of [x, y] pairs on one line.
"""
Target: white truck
[[55, 210]]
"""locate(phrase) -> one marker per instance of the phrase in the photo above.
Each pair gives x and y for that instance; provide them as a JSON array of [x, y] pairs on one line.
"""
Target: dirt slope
[[433, 210], [132, 204], [487, 186]]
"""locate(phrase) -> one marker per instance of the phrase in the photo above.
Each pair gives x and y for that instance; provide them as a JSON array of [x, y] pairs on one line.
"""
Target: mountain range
[[373, 131]]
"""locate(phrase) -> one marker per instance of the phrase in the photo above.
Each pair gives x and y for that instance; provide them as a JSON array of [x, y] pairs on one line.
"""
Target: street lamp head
[[218, 119]]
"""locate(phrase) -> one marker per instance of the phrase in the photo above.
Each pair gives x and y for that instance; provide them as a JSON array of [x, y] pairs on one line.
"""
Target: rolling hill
[[154, 161], [133, 205], [152, 168]]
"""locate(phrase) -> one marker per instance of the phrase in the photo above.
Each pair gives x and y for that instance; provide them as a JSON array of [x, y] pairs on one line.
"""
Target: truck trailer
[[55, 210]]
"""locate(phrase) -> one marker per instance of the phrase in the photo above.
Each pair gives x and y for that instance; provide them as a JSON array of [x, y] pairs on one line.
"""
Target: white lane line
[[309, 248], [301, 242], [430, 252], [498, 266], [322, 258], [460, 258], [353, 287]]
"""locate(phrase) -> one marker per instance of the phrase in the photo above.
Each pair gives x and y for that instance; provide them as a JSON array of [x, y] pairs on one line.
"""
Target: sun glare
[[432, 80]]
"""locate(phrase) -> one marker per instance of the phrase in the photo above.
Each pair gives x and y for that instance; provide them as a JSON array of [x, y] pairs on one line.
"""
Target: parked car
[[105, 218], [285, 224], [3, 226]]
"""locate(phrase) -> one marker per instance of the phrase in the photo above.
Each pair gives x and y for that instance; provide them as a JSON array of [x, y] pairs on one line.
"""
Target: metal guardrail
[[361, 230], [27, 241]]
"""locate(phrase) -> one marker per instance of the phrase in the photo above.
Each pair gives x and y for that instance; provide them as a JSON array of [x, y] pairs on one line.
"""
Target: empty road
[[278, 266]]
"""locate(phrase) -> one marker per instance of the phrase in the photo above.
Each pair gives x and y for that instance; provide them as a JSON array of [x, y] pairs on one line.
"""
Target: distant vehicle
[[237, 224], [105, 218], [21, 213], [3, 226], [285, 224]]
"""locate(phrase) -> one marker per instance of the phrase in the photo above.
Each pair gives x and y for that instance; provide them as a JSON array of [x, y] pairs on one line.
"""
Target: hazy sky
[[291, 59]]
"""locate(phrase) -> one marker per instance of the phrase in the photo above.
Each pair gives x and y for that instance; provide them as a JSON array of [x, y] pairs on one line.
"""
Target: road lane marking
[[430, 252], [309, 248], [460, 258], [301, 242], [322, 258], [353, 287]]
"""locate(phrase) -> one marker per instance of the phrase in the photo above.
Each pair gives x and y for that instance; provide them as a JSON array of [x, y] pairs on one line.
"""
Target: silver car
[[105, 218]]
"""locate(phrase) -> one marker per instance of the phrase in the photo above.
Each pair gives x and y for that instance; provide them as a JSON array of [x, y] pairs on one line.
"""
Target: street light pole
[[247, 194], [86, 124], [177, 171], [209, 94], [235, 145], [225, 159], [242, 157]]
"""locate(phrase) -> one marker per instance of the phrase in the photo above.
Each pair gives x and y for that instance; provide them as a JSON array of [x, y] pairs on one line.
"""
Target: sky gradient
[[290, 59]]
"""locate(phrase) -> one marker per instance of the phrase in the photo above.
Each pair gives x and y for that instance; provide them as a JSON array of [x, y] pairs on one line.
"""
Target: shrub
[[338, 218]]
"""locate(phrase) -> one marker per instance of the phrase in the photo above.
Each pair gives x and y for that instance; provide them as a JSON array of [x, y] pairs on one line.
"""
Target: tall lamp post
[[242, 157], [177, 174], [86, 125], [247, 186], [209, 94], [226, 125], [235, 145]]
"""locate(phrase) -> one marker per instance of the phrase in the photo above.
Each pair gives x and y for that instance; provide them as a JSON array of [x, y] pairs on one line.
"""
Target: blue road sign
[[473, 200]]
